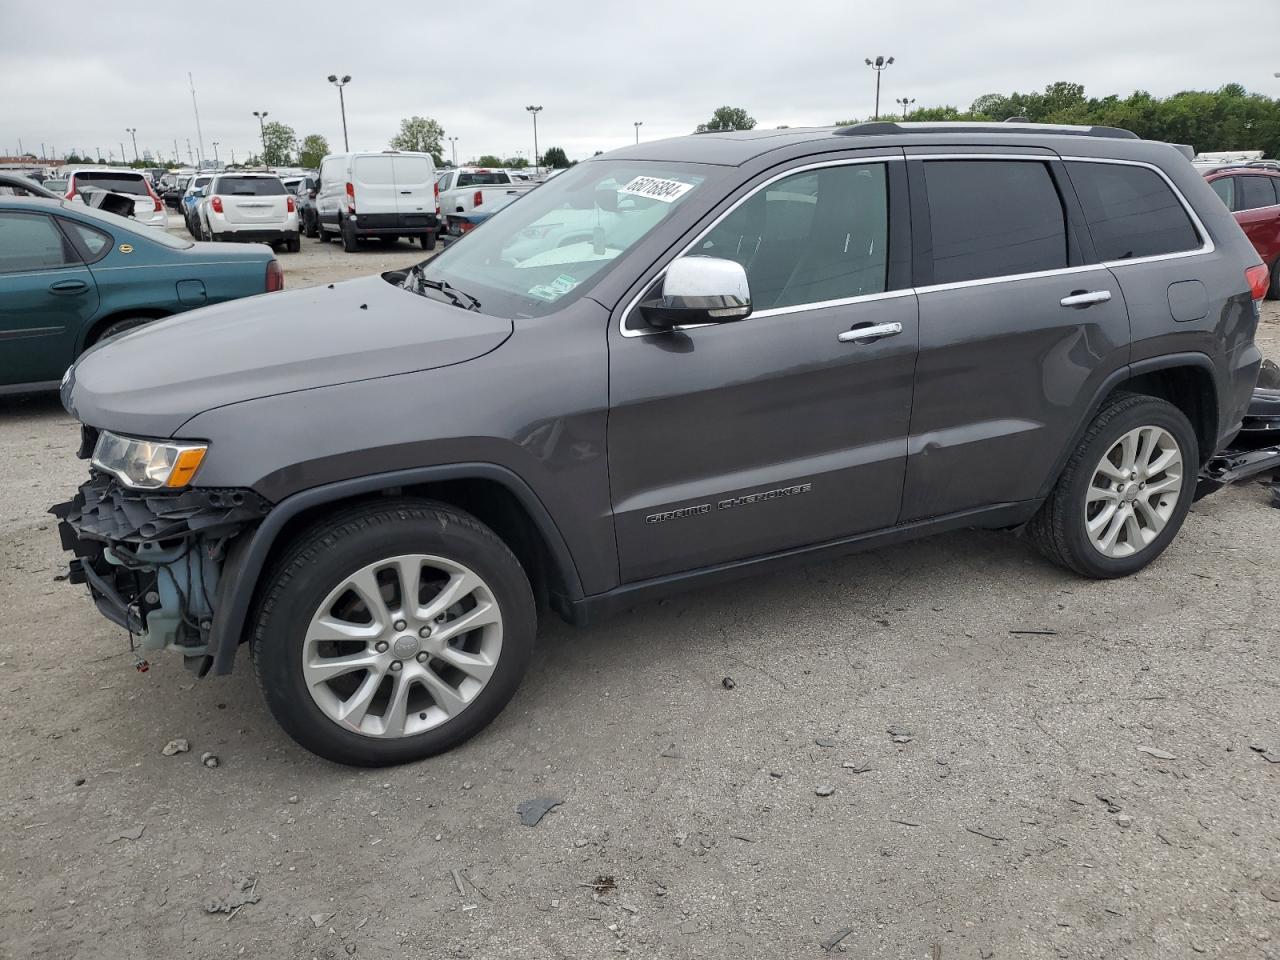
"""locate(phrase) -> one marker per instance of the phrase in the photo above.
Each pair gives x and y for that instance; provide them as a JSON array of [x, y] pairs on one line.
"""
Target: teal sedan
[[72, 275]]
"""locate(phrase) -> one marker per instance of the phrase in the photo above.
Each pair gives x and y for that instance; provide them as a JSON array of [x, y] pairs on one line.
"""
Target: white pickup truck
[[467, 188]]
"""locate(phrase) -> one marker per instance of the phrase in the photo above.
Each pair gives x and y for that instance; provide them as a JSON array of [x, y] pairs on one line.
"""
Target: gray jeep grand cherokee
[[682, 361]]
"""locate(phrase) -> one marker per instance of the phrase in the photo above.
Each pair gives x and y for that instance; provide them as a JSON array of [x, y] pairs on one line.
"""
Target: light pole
[[262, 130], [215, 154], [123, 159], [638, 124], [905, 103], [879, 65], [535, 111], [453, 148], [133, 132], [342, 103]]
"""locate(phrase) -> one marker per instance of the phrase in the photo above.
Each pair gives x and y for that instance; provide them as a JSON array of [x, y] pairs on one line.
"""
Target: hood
[[151, 381]]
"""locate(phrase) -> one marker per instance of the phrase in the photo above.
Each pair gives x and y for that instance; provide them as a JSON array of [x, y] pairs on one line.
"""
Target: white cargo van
[[387, 195]]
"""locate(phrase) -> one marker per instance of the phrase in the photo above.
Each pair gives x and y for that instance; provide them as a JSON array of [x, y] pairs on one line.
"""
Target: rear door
[[1258, 214], [374, 178], [1018, 328], [47, 297], [253, 202], [415, 189]]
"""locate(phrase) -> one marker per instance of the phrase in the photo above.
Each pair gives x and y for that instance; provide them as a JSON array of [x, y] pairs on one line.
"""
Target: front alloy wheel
[[391, 631], [402, 645]]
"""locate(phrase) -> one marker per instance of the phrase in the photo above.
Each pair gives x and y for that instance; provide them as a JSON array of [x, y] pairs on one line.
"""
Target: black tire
[[1273, 291], [293, 244], [1058, 529], [123, 325], [428, 240], [349, 241], [321, 557], [322, 234], [309, 226]]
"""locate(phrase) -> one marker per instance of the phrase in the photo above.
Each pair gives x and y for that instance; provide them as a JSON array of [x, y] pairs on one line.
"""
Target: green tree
[[277, 139], [489, 160], [314, 149], [513, 163], [555, 158], [727, 118], [419, 134]]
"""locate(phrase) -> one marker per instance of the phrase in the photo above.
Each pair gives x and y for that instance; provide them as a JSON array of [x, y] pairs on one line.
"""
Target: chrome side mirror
[[699, 290]]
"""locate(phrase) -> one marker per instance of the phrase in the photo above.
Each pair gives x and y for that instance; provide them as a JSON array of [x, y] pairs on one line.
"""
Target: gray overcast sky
[[76, 75]]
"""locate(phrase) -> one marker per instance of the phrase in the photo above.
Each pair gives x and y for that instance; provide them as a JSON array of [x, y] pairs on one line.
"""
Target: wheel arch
[[1184, 379], [493, 494], [94, 330]]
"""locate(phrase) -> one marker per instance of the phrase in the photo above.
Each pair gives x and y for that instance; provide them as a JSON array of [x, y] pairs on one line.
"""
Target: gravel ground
[[1086, 791]]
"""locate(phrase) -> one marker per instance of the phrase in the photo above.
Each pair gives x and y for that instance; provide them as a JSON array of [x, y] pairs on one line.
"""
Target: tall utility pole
[[453, 148], [123, 159], [196, 108], [342, 104], [905, 103], [638, 124], [215, 154], [536, 159], [190, 157], [177, 155], [99, 150], [879, 65], [133, 132], [262, 129]]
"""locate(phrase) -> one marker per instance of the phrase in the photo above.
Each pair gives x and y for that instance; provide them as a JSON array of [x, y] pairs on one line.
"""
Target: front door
[[47, 296], [743, 439]]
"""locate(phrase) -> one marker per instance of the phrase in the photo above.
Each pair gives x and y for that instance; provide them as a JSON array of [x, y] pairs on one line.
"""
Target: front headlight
[[148, 464]]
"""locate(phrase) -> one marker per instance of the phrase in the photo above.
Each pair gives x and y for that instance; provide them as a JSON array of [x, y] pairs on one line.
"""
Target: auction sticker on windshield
[[668, 191]]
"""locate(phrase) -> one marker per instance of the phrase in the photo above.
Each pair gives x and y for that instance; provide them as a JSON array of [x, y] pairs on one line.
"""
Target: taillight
[[71, 189], [351, 197], [437, 186], [216, 203], [477, 199], [1259, 279], [275, 276], [289, 204], [158, 202]]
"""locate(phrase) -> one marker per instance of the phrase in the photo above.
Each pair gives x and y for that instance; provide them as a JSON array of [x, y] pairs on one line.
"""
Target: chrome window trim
[[818, 165], [1207, 245]]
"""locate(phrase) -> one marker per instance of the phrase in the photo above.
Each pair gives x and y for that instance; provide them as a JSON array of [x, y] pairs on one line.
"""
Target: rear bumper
[[253, 235], [397, 224]]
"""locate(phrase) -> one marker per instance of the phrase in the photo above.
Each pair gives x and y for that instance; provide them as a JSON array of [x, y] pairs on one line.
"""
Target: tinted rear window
[[250, 186], [1131, 211], [993, 218], [1256, 192], [115, 182], [482, 179]]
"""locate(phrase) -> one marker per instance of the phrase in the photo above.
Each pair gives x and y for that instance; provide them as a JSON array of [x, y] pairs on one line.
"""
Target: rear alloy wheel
[[393, 632], [1125, 491]]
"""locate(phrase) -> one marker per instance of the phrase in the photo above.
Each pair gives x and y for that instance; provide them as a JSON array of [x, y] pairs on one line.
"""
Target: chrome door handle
[[1086, 298], [858, 334]]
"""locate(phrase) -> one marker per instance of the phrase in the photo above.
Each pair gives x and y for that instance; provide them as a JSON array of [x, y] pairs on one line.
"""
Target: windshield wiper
[[417, 281]]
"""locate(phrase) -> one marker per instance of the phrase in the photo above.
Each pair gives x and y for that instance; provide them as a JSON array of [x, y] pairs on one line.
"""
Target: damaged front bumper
[[152, 560]]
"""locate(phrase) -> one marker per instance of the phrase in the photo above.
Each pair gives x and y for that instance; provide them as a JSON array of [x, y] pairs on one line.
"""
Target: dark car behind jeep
[[685, 360]]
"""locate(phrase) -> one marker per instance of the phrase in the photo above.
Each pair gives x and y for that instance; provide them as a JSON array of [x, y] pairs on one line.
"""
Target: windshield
[[114, 222], [555, 242]]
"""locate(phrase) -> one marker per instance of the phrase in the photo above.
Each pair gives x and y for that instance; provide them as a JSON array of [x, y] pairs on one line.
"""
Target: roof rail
[[882, 128]]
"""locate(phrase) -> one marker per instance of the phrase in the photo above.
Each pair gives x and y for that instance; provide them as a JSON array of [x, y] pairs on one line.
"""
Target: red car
[[1252, 194]]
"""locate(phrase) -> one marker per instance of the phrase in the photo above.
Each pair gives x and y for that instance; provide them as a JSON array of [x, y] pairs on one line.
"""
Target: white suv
[[88, 184], [248, 206]]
